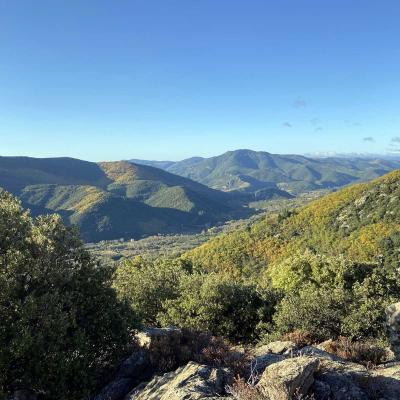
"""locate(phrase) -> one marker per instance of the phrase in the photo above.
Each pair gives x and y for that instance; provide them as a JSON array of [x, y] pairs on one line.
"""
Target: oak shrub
[[61, 325]]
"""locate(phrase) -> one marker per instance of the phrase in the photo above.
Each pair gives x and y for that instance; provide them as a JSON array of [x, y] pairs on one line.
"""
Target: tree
[[217, 304], [61, 325], [317, 310], [146, 284]]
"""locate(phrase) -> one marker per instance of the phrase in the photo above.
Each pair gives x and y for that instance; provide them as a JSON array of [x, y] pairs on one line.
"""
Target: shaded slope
[[18, 172], [113, 199]]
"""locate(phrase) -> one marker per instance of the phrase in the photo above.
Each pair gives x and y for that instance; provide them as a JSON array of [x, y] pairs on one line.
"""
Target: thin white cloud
[[299, 103], [369, 139]]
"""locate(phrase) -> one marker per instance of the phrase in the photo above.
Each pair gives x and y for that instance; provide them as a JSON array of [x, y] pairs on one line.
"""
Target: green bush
[[294, 272], [350, 303], [365, 314], [61, 323], [312, 309], [146, 284], [216, 304]]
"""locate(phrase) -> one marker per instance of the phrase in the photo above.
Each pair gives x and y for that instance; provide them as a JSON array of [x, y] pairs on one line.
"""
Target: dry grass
[[242, 390], [172, 351], [300, 338], [219, 353], [360, 352]]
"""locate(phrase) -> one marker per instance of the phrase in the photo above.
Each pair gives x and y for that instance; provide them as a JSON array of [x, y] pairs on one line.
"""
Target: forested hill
[[254, 171], [360, 222], [113, 199]]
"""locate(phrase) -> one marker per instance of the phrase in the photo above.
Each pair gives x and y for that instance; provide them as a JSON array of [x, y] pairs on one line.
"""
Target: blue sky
[[167, 79]]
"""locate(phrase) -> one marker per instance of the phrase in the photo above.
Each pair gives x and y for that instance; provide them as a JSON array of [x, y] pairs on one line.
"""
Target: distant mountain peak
[[250, 171]]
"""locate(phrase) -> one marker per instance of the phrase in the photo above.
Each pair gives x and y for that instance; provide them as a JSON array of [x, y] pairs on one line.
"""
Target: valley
[[199, 200], [124, 200]]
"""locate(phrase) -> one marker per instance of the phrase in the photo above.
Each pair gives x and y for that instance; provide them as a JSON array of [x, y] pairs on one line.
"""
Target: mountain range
[[257, 172], [111, 200]]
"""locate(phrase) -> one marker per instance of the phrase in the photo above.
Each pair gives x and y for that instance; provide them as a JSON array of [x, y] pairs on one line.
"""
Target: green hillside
[[357, 222], [113, 199], [257, 172], [324, 271]]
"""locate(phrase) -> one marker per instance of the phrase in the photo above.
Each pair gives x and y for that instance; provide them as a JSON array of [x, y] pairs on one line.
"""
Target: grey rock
[[393, 327], [192, 382], [340, 380], [316, 351], [132, 371], [262, 361], [283, 380], [148, 335], [321, 390], [138, 367], [278, 347], [336, 386], [384, 383]]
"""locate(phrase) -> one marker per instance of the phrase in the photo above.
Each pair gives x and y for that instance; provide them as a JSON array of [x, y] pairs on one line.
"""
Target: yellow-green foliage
[[229, 253], [121, 172], [297, 270], [90, 196], [352, 222], [126, 173]]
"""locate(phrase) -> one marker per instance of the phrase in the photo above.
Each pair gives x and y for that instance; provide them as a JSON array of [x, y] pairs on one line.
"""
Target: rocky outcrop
[[339, 380], [384, 383], [192, 382], [317, 351], [283, 380], [148, 336], [135, 369], [278, 347], [279, 371], [139, 367], [393, 327]]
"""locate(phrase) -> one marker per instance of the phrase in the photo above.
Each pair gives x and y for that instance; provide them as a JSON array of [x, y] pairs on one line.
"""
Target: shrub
[[218, 353], [181, 346], [168, 352], [242, 390], [294, 272], [61, 323], [360, 352], [300, 338], [147, 284], [365, 313], [218, 305], [317, 310], [332, 298]]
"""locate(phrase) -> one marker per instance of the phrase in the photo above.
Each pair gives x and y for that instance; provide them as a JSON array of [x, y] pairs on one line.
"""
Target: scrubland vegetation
[[324, 271], [329, 268]]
